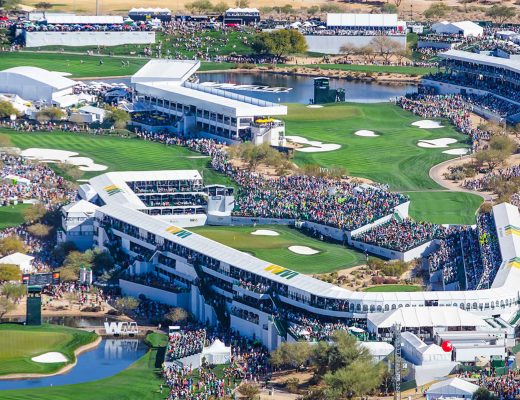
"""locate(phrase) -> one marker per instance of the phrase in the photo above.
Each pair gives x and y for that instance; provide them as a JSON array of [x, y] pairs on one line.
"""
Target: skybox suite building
[[164, 87]]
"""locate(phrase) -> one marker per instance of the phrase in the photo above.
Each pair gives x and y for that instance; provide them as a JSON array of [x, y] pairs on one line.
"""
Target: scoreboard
[[50, 278]]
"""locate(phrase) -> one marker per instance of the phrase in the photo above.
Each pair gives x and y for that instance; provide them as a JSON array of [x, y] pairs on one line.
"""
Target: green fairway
[[440, 207], [139, 381], [82, 65], [384, 69], [392, 158], [18, 344], [11, 215], [331, 257], [119, 154], [394, 288]]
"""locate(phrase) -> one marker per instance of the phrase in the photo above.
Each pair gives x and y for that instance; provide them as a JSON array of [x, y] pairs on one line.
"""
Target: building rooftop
[[173, 72], [43, 76]]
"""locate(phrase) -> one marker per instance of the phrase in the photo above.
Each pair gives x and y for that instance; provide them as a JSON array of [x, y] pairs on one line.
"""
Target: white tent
[[23, 261], [424, 317], [453, 388], [378, 350], [465, 28], [18, 179], [217, 353]]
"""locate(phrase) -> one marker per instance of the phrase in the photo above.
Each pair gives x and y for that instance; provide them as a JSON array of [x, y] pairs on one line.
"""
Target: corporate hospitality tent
[[465, 28], [451, 388], [23, 261], [36, 84], [217, 353], [424, 317]]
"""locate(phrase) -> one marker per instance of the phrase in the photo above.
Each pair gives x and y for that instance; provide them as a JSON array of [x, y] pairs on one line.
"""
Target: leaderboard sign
[[50, 278]]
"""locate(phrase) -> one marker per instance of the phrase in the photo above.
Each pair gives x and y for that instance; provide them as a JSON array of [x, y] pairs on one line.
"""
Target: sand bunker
[[456, 152], [304, 250], [365, 133], [314, 145], [50, 358], [427, 124], [436, 143], [62, 156], [314, 106], [265, 232]]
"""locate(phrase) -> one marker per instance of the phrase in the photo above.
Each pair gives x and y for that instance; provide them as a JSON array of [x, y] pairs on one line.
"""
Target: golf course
[[144, 376], [393, 157], [330, 257], [19, 344], [393, 288], [12, 215]]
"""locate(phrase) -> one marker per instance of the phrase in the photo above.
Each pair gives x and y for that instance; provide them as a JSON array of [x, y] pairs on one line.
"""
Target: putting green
[[140, 381], [119, 154], [18, 344], [394, 288], [392, 158], [331, 257]]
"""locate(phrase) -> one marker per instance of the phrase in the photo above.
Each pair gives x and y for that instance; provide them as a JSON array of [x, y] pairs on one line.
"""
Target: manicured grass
[[119, 154], [440, 207], [139, 381], [385, 69], [392, 158], [82, 65], [394, 288], [331, 257], [11, 215], [18, 344], [72, 63]]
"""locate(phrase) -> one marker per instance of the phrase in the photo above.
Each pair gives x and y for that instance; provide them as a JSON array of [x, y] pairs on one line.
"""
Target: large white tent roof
[[362, 20], [84, 19], [43, 76], [454, 387], [16, 259], [166, 71], [413, 317]]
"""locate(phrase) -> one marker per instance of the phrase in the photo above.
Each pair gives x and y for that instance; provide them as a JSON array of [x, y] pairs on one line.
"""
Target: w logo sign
[[113, 328]]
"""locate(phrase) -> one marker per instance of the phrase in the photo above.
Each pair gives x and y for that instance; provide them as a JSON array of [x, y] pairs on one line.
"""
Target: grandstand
[[493, 80], [221, 285]]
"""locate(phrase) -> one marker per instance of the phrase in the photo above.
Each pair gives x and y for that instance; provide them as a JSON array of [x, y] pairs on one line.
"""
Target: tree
[[492, 158], [10, 272], [348, 49], [176, 315], [385, 46], [291, 354], [6, 306], [9, 4], [465, 4], [10, 245], [397, 4], [357, 379], [249, 391], [74, 261], [126, 304], [199, 6], [500, 13], [118, 117], [242, 3], [313, 10], [436, 11], [34, 213], [503, 143], [368, 54], [220, 7], [50, 114], [44, 6], [279, 43], [13, 291], [7, 109], [347, 369], [389, 8], [39, 230], [483, 393], [102, 261]]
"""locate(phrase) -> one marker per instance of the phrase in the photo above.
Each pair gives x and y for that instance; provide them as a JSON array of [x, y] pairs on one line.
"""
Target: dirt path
[[437, 171]]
